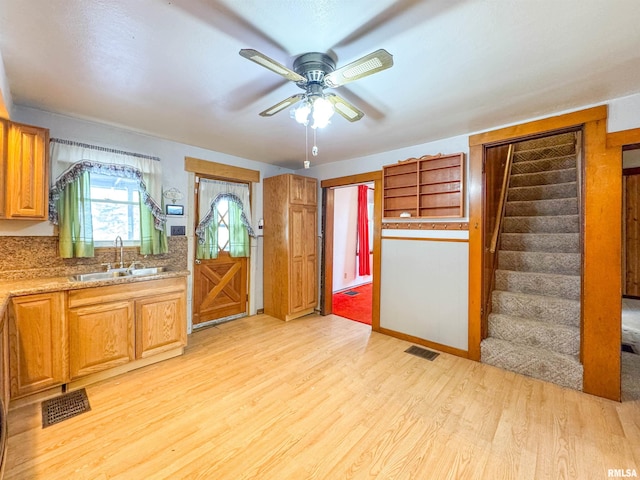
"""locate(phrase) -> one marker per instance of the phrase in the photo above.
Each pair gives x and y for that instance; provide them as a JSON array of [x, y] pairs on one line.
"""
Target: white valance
[[212, 191], [70, 159]]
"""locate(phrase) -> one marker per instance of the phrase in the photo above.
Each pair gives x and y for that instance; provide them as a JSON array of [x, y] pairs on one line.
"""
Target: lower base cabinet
[[101, 328]]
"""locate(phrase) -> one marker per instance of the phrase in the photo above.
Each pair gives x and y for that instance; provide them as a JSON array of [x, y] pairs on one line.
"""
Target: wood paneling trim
[[476, 235], [537, 126], [623, 137], [602, 255], [352, 179], [426, 343], [220, 170], [425, 225], [326, 294], [459, 240]]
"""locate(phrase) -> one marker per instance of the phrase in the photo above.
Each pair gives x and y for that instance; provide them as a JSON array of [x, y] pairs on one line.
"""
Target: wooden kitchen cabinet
[[24, 170], [101, 336], [111, 326], [290, 246], [160, 324], [37, 343]]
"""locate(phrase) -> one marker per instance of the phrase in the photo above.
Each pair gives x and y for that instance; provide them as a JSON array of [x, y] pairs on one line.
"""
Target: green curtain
[[209, 249], [238, 235], [74, 219], [152, 241]]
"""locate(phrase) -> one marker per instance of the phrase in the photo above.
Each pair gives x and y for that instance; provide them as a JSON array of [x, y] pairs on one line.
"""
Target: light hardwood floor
[[324, 398]]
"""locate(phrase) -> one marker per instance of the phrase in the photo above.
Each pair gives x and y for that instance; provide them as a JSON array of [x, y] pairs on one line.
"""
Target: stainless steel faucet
[[121, 251]]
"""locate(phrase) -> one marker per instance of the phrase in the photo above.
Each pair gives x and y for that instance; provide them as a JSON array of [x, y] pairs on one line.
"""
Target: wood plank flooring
[[324, 398]]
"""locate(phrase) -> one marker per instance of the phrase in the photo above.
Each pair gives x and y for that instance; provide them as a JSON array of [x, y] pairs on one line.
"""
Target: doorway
[[353, 252], [222, 251], [331, 282], [630, 362]]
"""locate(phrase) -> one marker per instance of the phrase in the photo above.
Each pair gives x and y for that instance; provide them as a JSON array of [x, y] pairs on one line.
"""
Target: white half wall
[[424, 287]]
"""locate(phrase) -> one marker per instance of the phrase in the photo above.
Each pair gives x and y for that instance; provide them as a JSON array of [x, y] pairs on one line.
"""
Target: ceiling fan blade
[[344, 108], [293, 99], [365, 66], [271, 64]]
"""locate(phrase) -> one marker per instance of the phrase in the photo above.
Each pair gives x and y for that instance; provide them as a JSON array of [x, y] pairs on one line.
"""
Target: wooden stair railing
[[503, 201]]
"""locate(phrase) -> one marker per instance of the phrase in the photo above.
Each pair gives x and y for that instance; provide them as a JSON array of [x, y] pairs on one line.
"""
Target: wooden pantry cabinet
[[24, 170], [290, 246]]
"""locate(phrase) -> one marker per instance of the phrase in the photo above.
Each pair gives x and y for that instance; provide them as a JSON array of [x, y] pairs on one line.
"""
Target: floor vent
[[65, 406], [422, 352], [351, 293]]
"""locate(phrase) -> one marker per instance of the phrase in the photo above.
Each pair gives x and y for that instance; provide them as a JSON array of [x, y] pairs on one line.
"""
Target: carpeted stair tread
[[534, 283], [545, 164], [524, 331], [544, 152], [564, 370], [554, 206], [559, 139], [541, 242], [543, 178], [537, 307], [542, 224], [542, 262], [543, 192]]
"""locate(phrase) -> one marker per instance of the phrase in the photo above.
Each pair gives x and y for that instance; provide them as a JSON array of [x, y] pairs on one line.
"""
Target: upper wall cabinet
[[24, 170], [425, 187]]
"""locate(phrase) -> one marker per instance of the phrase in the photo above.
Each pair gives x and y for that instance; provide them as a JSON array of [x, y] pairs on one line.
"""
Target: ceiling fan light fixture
[[301, 113], [322, 112]]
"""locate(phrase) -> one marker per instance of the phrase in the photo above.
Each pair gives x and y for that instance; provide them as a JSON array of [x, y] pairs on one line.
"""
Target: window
[[115, 209], [222, 221]]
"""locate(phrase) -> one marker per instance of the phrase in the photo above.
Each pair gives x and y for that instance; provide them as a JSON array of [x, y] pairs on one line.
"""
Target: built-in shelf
[[425, 187]]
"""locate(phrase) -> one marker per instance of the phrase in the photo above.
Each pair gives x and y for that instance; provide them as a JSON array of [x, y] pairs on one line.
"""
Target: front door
[[220, 284]]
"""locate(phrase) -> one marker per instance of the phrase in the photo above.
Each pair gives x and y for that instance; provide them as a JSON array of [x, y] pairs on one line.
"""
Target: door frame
[[601, 250], [219, 171], [326, 266]]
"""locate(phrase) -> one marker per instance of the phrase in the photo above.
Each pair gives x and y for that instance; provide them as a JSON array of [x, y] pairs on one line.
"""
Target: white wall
[[171, 155]]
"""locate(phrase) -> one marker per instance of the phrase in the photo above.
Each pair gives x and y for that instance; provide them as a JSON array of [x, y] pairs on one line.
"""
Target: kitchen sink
[[119, 273]]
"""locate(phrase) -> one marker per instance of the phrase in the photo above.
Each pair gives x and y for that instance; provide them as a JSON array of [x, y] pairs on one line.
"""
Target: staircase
[[534, 327]]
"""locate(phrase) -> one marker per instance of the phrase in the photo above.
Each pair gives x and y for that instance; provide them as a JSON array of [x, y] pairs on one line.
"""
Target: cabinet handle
[[198, 262]]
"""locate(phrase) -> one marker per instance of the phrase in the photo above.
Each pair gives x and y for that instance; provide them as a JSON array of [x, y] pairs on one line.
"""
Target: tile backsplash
[[37, 257]]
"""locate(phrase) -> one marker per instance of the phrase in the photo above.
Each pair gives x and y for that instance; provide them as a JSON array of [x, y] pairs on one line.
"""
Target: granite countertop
[[14, 288]]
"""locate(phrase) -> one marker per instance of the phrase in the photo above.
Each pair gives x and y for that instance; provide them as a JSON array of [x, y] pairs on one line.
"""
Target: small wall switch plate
[[177, 230]]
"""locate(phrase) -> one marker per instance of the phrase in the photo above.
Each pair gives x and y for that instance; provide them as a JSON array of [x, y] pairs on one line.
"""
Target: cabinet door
[[37, 343], [310, 257], [100, 337], [161, 324], [297, 190], [310, 191], [27, 173], [303, 258]]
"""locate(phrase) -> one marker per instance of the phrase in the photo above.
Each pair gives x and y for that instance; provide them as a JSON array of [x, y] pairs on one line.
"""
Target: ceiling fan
[[313, 72]]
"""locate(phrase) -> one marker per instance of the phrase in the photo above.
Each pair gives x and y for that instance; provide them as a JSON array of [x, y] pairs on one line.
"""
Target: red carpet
[[355, 307]]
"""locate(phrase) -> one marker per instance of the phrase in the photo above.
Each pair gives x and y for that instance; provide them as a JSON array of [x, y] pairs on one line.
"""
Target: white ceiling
[[172, 69]]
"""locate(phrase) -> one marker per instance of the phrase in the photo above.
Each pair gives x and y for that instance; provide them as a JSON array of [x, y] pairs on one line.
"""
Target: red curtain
[[364, 267]]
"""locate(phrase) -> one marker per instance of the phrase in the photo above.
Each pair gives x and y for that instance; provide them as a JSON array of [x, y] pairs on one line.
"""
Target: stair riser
[[544, 165], [541, 242], [546, 152], [560, 139], [561, 371], [543, 309], [543, 178], [564, 340], [559, 206], [541, 262], [543, 192], [549, 224], [563, 286]]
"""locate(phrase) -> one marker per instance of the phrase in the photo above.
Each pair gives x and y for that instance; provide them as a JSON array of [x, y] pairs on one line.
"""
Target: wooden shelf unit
[[425, 187]]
